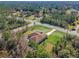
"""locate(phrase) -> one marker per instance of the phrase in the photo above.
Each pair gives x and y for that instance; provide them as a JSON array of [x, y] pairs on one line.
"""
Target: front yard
[[40, 28], [37, 28]]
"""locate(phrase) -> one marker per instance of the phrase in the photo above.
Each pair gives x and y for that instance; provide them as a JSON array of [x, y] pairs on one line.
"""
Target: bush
[[2, 44], [64, 53], [11, 45], [6, 35]]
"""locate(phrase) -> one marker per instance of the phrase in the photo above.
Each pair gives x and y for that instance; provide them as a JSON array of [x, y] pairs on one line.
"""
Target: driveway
[[49, 33]]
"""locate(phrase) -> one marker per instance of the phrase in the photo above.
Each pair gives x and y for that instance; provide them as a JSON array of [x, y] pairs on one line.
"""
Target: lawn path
[[49, 33]]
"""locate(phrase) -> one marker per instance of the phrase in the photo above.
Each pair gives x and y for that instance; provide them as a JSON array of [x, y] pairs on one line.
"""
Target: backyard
[[54, 37]]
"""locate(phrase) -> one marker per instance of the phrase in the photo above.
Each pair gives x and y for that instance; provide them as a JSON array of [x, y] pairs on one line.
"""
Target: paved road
[[47, 25], [54, 27], [59, 29]]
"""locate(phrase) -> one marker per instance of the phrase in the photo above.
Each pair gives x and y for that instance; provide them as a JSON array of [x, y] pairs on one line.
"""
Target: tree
[[56, 48], [6, 35], [77, 53], [38, 52], [33, 44], [2, 44], [30, 54], [41, 52], [64, 53], [11, 45]]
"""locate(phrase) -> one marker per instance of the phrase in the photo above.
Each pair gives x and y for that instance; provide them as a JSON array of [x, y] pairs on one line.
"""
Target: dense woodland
[[34, 5], [57, 17], [11, 23]]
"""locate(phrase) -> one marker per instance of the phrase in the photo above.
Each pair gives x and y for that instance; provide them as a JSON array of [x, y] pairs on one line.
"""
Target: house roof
[[37, 36]]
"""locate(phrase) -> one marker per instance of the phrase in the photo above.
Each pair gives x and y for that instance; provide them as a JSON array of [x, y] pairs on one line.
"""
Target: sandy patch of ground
[[49, 47]]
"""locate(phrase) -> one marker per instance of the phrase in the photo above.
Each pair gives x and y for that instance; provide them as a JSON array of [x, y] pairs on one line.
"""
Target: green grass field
[[31, 17], [37, 28], [40, 28], [54, 37]]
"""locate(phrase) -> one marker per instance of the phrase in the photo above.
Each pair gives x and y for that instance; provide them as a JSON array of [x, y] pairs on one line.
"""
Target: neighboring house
[[72, 11], [37, 37], [38, 14], [17, 13], [24, 13]]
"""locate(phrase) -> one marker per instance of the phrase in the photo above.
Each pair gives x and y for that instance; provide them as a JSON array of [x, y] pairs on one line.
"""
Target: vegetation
[[11, 23], [38, 28], [39, 51], [55, 37], [59, 19], [78, 30], [15, 43]]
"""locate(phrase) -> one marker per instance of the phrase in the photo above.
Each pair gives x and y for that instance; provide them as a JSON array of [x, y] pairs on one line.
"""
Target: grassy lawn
[[54, 37], [38, 28], [52, 40], [31, 17]]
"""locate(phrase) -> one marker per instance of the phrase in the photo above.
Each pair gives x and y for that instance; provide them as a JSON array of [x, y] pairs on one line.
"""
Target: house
[[38, 14], [72, 11], [37, 37]]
